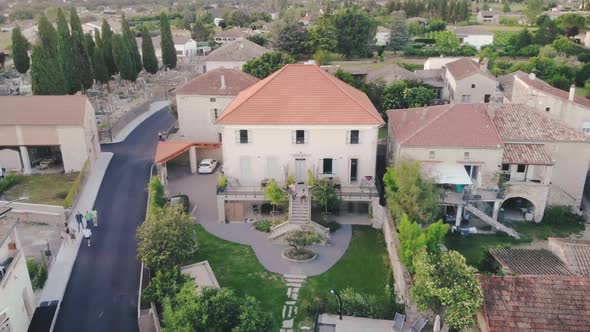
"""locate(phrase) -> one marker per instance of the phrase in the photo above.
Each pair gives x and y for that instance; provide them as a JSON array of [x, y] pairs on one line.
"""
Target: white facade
[[211, 65], [477, 41], [382, 38], [439, 62], [197, 115], [17, 300], [476, 88], [273, 152]]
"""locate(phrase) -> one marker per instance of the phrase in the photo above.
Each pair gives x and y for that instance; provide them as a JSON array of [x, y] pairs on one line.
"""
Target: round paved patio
[[201, 190]]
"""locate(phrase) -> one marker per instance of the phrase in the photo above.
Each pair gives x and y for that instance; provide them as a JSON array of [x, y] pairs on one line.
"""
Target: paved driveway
[[201, 190], [102, 290]]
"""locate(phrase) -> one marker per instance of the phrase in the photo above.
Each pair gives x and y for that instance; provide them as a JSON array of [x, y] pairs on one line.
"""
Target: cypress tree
[[89, 44], [107, 41], [46, 73], [150, 62], [129, 37], [75, 21], [68, 55], [86, 78], [47, 36], [166, 43], [20, 45], [101, 72], [124, 58]]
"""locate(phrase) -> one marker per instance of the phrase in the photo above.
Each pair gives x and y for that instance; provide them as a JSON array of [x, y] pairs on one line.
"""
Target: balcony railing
[[241, 191], [5, 265]]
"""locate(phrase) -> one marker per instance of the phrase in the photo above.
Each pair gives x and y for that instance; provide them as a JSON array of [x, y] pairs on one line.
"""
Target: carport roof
[[42, 110], [169, 150]]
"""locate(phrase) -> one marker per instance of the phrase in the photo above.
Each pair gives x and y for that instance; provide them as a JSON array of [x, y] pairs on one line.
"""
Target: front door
[[300, 170], [354, 163]]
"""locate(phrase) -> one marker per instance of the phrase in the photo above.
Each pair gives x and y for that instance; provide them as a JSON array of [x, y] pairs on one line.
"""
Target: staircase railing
[[487, 219]]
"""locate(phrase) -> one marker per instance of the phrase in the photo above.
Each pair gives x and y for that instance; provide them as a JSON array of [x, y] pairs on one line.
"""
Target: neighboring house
[[17, 300], [473, 35], [233, 55], [297, 121], [184, 46], [37, 132], [466, 81], [390, 73], [90, 27], [230, 35], [489, 16], [382, 36], [530, 262], [519, 87], [507, 156], [534, 303], [439, 62], [204, 98], [574, 253]]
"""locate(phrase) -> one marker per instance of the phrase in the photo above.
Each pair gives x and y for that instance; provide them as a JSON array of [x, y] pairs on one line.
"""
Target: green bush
[[263, 226], [75, 187], [37, 273], [165, 284], [9, 181], [361, 305], [157, 194]]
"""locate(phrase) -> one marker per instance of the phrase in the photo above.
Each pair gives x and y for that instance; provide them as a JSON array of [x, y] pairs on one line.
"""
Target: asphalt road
[[102, 290]]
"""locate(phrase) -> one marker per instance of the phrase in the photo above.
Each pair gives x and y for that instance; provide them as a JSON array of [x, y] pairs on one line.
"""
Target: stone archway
[[522, 208]]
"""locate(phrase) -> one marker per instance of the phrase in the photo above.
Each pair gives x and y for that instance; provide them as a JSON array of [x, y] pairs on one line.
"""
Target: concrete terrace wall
[[401, 275]]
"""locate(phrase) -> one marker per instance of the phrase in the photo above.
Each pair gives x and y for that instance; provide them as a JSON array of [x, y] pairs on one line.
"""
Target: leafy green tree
[[300, 239], [150, 61], [322, 35], [398, 38], [571, 24], [124, 58], [68, 55], [322, 57], [47, 36], [167, 43], [419, 96], [46, 72], [409, 192], [355, 32], [533, 9], [252, 319], [202, 31], [290, 37], [267, 64], [20, 46], [237, 18], [275, 194], [129, 37], [437, 25], [447, 42], [414, 239], [165, 284], [107, 47], [324, 196], [157, 193], [85, 66], [407, 94], [547, 32], [258, 39], [506, 7], [167, 238], [444, 282]]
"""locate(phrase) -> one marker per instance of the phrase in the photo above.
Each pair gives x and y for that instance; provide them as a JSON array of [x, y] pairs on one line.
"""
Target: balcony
[[6, 265]]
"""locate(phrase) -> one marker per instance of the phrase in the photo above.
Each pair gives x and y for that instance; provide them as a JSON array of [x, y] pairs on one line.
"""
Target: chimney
[[572, 92], [222, 82]]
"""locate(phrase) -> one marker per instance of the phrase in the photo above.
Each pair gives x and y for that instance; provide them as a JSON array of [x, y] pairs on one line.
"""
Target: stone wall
[[400, 272]]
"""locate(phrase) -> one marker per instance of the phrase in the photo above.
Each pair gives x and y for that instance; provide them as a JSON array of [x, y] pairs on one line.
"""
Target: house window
[[505, 167], [473, 86], [327, 166], [243, 136], [215, 113], [220, 137], [353, 137], [466, 155], [521, 168], [466, 98], [431, 155], [547, 109], [586, 128], [299, 137], [212, 100]]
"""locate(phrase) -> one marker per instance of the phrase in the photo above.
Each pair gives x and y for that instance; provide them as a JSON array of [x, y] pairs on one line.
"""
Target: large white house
[[233, 55], [382, 36], [474, 36]]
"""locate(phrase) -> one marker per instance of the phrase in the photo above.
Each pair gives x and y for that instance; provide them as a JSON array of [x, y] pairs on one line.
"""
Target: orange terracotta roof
[[530, 154], [42, 110], [466, 67], [169, 150], [543, 86], [218, 82], [301, 94]]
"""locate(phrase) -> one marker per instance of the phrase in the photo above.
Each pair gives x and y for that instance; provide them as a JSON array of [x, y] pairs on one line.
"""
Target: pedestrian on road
[[159, 136], [79, 218], [87, 235], [94, 217], [88, 217], [67, 235]]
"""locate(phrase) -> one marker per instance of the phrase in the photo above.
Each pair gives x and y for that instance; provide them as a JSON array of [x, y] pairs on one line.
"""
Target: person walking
[[94, 217], [87, 235], [88, 217], [79, 218]]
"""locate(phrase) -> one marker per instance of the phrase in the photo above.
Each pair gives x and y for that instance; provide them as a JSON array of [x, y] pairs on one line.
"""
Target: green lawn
[[236, 267], [42, 189], [364, 267]]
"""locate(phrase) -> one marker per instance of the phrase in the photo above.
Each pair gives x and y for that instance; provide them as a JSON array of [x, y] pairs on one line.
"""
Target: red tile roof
[[530, 262], [169, 150], [516, 122], [453, 125], [530, 154], [42, 110], [536, 303], [576, 253], [301, 94], [218, 82], [541, 85], [466, 67]]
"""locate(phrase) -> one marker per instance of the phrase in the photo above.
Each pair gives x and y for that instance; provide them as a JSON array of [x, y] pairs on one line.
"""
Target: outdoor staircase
[[494, 223], [300, 211]]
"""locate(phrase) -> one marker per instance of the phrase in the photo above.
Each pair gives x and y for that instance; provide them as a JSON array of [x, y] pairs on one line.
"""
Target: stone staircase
[[300, 210], [494, 223]]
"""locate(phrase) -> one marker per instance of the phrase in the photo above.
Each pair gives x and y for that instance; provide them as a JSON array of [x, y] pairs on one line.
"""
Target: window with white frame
[[300, 136], [466, 155], [243, 136], [327, 166], [586, 128], [431, 155], [353, 137]]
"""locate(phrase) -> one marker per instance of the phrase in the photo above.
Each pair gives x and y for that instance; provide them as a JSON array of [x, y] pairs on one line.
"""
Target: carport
[[168, 150]]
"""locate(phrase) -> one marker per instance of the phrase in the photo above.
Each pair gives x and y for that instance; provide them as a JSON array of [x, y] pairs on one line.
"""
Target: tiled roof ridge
[[262, 84], [416, 132], [331, 78]]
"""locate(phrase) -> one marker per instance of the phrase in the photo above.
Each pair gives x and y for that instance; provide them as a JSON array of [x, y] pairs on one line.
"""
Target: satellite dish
[[532, 76]]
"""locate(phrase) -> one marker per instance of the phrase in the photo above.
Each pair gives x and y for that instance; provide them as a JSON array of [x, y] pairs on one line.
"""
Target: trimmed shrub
[[37, 273], [263, 226], [75, 187], [10, 181]]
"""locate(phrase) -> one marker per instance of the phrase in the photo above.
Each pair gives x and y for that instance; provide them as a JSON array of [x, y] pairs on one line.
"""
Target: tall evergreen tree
[[75, 23], [47, 36], [68, 55], [107, 46], [150, 62], [89, 44], [101, 72], [124, 58], [167, 43], [86, 78], [20, 45], [131, 43], [46, 72], [398, 37]]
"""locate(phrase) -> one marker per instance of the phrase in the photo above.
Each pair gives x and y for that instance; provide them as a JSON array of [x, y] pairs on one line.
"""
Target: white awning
[[447, 173]]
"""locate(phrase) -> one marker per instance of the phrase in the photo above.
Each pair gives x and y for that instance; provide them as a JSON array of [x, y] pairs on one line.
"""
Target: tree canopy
[[20, 46], [399, 36], [107, 45], [413, 239], [267, 64], [355, 32], [68, 55], [407, 94], [167, 43], [290, 37]]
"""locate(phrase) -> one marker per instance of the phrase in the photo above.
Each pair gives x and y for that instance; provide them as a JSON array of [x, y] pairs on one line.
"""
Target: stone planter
[[285, 257]]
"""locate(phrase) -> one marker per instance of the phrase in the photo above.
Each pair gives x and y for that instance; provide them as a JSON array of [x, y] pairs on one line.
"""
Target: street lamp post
[[339, 301]]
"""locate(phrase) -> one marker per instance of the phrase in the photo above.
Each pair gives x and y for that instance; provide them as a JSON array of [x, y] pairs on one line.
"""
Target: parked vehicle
[[207, 166], [182, 200]]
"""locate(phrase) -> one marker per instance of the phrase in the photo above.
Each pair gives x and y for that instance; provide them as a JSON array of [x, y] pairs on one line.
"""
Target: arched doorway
[[517, 208]]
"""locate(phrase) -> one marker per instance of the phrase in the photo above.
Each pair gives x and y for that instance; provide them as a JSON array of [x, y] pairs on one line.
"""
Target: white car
[[207, 166]]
